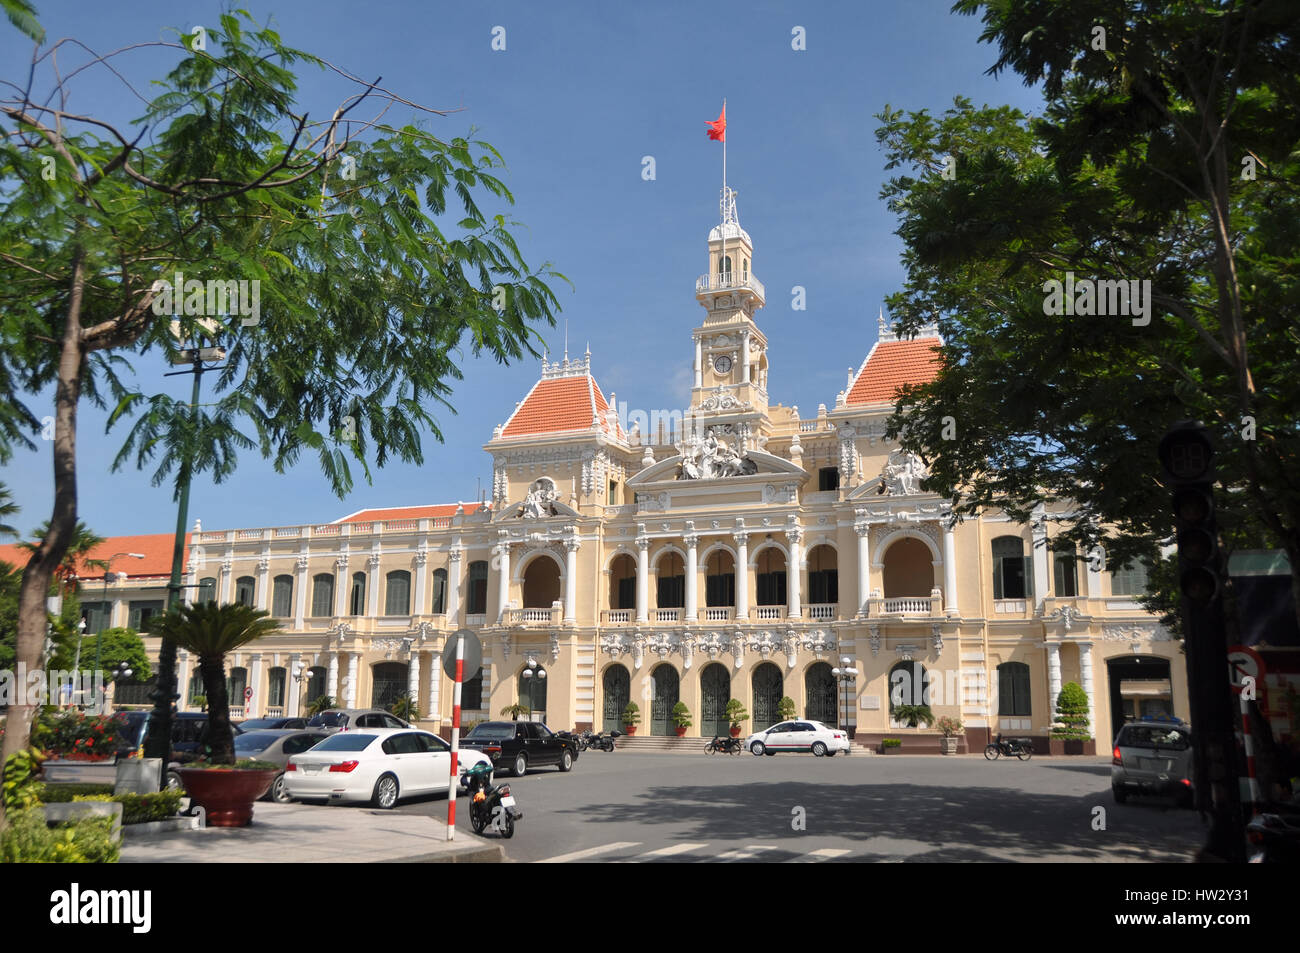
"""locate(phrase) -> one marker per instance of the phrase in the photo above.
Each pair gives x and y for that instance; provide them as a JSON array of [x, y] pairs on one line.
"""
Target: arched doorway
[[541, 588], [1138, 687], [820, 695], [616, 685], [665, 697], [768, 684], [715, 692], [388, 681], [908, 570]]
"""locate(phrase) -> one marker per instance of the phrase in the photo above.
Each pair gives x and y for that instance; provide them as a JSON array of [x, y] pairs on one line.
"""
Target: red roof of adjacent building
[[560, 405], [156, 548], [892, 365], [431, 511]]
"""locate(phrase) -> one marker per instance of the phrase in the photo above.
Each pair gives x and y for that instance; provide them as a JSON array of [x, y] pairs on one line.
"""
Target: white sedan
[[798, 736], [379, 765]]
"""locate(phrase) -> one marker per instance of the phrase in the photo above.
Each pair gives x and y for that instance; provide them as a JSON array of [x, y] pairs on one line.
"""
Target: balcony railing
[[476, 618], [821, 611], [905, 606], [719, 613], [769, 612], [727, 280], [668, 615], [547, 616], [616, 616]]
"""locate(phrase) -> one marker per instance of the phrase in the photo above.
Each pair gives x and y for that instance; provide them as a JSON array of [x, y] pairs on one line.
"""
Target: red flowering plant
[[76, 736]]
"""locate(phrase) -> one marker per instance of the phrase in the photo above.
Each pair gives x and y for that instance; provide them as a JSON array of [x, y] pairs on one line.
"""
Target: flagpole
[[723, 223]]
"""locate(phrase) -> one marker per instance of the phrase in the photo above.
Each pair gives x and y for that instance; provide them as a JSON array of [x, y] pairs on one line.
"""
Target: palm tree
[[8, 509], [210, 631], [83, 541]]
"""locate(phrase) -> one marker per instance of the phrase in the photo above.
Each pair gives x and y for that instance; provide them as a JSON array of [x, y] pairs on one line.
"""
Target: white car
[[798, 736], [379, 765]]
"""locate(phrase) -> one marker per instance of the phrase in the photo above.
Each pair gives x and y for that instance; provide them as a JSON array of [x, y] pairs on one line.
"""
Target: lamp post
[[845, 675], [301, 673], [99, 636], [123, 670], [532, 674]]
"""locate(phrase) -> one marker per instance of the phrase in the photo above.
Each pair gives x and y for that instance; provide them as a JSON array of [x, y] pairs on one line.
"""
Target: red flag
[[718, 127]]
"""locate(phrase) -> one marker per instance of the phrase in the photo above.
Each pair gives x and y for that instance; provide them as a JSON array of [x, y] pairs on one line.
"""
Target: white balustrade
[[822, 611], [905, 606], [668, 615], [722, 613], [767, 612], [616, 616], [730, 279]]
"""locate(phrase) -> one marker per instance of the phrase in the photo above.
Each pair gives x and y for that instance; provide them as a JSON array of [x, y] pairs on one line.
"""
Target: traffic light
[[1186, 454]]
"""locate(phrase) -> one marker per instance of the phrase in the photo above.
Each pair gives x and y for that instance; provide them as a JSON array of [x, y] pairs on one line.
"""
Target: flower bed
[[76, 736]]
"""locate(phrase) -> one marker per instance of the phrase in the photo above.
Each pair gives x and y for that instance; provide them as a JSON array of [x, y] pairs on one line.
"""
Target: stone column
[[503, 581], [373, 585], [1096, 562], [354, 664], [263, 588], [699, 363], [413, 676], [453, 584], [1053, 679], [863, 529], [293, 704], [744, 357], [183, 679], [342, 585], [742, 575], [1085, 676], [227, 576], [692, 596], [257, 705], [949, 570], [432, 682], [332, 677], [794, 608], [642, 578], [571, 580], [300, 603], [1038, 535], [421, 582]]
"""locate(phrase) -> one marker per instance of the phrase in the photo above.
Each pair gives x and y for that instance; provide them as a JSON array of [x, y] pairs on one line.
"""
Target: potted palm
[[318, 704], [952, 729], [224, 787], [735, 713], [911, 715], [681, 718], [404, 707], [515, 710], [631, 718]]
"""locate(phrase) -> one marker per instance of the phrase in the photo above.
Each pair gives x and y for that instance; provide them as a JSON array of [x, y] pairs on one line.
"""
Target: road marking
[[589, 852], [817, 856], [744, 853], [675, 849]]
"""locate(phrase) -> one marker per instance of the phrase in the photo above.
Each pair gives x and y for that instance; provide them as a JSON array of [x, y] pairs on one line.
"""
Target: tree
[[324, 256], [405, 706], [116, 645], [210, 631], [74, 558], [1167, 154], [23, 15], [1072, 714], [8, 510]]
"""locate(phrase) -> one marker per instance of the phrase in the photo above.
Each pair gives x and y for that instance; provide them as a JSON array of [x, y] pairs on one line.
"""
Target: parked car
[[798, 736], [277, 746], [264, 724], [349, 719], [520, 745], [379, 765], [1152, 756], [189, 738]]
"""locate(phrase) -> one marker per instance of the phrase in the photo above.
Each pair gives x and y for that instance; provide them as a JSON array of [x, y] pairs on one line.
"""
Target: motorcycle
[[727, 745], [1021, 748], [601, 742], [490, 805]]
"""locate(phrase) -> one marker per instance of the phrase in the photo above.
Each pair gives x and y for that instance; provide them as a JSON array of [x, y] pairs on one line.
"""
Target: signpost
[[467, 653]]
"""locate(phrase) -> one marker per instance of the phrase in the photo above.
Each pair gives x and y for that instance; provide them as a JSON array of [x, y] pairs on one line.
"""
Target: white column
[[431, 683], [300, 603], [453, 585], [1097, 560], [794, 608], [255, 706], [692, 541], [263, 589], [744, 357], [420, 606], [949, 570], [864, 565], [294, 701], [413, 676], [503, 580], [342, 585], [332, 678], [1038, 535], [1085, 675], [354, 664], [571, 581], [373, 585], [742, 575], [183, 680], [227, 575], [642, 578], [699, 363], [1053, 678]]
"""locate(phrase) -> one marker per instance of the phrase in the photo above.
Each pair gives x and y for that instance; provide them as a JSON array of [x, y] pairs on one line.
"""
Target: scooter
[[490, 805], [727, 745], [602, 742]]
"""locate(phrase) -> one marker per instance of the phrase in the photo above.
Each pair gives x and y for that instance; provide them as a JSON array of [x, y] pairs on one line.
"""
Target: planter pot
[[1072, 746], [735, 732], [227, 795], [629, 730], [948, 744], [893, 749], [681, 730], [58, 770]]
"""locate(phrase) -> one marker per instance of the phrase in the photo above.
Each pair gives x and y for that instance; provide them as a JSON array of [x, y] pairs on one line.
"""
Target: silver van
[[1152, 756]]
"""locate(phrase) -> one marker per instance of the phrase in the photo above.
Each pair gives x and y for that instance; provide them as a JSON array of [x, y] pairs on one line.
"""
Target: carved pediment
[[764, 464]]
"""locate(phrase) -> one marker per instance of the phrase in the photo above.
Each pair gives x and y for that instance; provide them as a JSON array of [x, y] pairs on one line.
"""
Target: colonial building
[[751, 553]]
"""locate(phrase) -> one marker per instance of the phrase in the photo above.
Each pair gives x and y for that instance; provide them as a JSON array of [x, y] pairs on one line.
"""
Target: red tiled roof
[[891, 365], [156, 547], [431, 511], [560, 405]]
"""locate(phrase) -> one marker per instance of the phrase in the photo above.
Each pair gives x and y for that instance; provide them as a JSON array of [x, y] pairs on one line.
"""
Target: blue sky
[[581, 93]]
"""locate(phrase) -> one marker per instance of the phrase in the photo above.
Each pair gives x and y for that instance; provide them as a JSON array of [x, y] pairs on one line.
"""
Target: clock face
[[722, 364]]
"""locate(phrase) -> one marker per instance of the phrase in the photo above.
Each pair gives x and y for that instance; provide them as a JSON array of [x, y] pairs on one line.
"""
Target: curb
[[477, 854]]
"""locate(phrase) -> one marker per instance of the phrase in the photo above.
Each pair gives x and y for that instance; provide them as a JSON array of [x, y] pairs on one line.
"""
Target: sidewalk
[[300, 833]]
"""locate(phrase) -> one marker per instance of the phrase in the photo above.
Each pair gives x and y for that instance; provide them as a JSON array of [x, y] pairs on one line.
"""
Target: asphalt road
[[674, 807]]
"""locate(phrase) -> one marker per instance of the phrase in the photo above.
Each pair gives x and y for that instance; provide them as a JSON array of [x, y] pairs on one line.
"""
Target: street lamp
[[845, 675], [123, 670], [532, 674], [105, 616], [301, 673]]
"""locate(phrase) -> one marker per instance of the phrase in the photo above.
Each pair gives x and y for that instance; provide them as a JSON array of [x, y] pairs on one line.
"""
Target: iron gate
[[821, 691], [767, 696], [661, 706], [617, 690], [715, 691]]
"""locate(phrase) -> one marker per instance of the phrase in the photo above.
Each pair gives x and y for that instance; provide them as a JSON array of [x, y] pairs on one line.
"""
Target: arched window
[[720, 580], [357, 600], [1011, 573], [907, 685], [724, 265], [275, 682], [671, 588], [1129, 579], [322, 595], [207, 590], [397, 601], [1065, 575], [471, 693], [823, 576], [282, 597], [439, 592], [478, 585], [245, 591], [196, 689], [236, 682], [770, 579], [1013, 689]]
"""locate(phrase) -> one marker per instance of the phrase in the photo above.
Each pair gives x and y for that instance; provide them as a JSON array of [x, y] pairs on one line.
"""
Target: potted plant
[[515, 710], [1070, 732], [317, 705], [952, 729], [404, 707], [225, 788], [735, 713], [785, 709], [631, 718], [911, 715], [890, 745], [681, 718]]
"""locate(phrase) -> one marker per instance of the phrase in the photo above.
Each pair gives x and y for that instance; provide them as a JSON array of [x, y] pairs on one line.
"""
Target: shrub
[[911, 714], [949, 726], [785, 708], [21, 789], [63, 793], [139, 808], [681, 715], [631, 715], [515, 710], [1072, 714], [735, 712], [891, 743], [75, 734], [29, 840]]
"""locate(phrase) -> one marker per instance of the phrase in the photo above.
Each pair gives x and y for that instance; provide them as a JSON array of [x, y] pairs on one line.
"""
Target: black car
[[520, 745], [189, 734]]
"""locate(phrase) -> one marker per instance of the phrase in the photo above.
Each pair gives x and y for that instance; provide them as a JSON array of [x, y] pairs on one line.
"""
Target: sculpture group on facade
[[903, 474], [540, 501], [711, 459]]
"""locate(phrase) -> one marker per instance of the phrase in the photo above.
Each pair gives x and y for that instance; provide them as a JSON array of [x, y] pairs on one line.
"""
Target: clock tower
[[730, 392]]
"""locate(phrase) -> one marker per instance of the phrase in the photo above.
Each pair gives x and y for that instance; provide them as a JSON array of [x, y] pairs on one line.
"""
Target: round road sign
[[473, 653]]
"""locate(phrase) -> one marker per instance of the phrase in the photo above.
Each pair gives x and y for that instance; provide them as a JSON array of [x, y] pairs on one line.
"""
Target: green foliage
[[631, 715], [141, 808], [681, 715], [950, 726], [63, 793], [785, 708], [515, 710], [243, 764], [73, 733], [23, 16], [1071, 713], [404, 706], [913, 714], [735, 712], [115, 646], [891, 742], [27, 839], [316, 705], [21, 789]]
